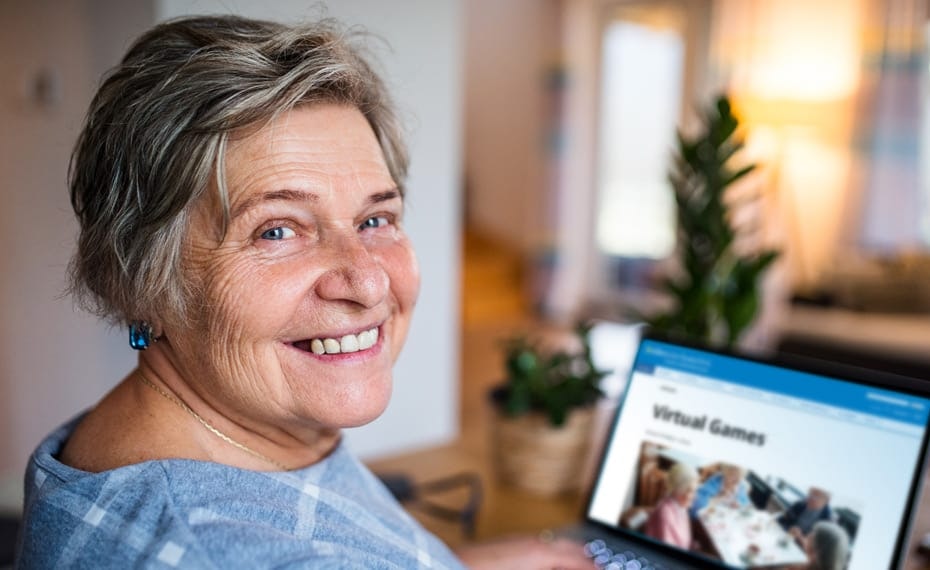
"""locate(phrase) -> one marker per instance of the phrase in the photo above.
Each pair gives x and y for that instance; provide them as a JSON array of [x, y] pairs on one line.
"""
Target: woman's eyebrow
[[300, 196], [379, 197], [273, 195]]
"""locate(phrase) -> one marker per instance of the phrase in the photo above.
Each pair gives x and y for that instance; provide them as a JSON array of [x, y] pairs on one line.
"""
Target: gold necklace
[[206, 424]]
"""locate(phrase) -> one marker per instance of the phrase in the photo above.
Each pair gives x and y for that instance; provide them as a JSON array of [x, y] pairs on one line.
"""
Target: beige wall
[[510, 47], [54, 361]]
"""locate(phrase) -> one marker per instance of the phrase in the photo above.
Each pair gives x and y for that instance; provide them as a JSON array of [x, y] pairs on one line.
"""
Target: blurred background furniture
[[894, 342]]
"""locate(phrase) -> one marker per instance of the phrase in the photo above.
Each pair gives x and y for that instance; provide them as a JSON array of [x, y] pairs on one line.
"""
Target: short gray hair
[[156, 132], [829, 544], [679, 477]]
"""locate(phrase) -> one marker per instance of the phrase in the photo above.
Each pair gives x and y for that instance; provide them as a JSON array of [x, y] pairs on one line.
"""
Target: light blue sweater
[[195, 514]]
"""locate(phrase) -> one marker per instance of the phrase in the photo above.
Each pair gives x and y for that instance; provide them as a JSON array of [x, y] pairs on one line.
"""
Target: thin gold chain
[[206, 424]]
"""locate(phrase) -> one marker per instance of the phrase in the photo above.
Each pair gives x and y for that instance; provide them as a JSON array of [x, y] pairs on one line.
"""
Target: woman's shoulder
[[206, 514], [714, 479], [120, 517], [664, 507]]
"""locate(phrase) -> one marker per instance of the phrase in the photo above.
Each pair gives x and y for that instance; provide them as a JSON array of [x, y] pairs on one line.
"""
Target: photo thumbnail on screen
[[729, 512]]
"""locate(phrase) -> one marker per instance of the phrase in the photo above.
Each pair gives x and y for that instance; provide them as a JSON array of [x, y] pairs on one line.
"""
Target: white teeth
[[349, 343], [366, 339]]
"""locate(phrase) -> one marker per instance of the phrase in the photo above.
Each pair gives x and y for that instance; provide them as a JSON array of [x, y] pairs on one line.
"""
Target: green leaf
[[552, 383], [739, 174], [717, 297]]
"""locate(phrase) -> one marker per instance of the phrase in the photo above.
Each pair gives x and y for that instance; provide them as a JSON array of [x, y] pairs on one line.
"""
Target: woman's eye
[[278, 233], [374, 222]]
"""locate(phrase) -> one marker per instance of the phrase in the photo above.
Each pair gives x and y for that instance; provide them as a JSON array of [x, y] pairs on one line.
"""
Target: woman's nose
[[354, 275]]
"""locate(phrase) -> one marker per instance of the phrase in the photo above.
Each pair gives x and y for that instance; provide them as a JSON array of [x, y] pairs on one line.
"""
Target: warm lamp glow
[[793, 70], [792, 50], [813, 180]]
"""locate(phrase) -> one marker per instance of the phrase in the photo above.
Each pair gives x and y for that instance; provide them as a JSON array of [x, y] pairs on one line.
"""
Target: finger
[[561, 553], [568, 546]]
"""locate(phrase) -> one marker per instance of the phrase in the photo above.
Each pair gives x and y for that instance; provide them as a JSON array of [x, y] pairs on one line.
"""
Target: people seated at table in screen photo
[[801, 517], [725, 487], [827, 547], [669, 520]]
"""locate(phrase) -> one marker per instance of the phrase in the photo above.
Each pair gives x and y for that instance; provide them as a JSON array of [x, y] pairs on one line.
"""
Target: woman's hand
[[528, 553]]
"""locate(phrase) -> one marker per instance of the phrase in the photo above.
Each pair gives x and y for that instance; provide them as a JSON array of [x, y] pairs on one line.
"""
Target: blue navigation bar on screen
[[860, 398]]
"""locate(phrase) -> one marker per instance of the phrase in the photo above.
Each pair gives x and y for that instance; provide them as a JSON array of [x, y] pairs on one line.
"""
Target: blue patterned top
[[197, 514]]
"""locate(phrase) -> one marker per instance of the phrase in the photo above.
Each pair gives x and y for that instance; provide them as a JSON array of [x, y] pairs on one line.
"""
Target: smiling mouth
[[342, 345]]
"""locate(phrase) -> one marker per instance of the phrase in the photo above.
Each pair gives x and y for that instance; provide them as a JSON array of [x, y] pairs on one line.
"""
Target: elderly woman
[[239, 188], [669, 520], [726, 487]]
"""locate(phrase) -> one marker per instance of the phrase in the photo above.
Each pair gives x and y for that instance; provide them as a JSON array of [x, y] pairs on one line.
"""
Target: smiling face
[[304, 304]]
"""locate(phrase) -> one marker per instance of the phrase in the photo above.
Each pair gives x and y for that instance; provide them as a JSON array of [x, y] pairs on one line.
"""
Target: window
[[641, 96]]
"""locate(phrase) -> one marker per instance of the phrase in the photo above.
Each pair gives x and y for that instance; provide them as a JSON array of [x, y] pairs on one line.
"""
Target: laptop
[[721, 460]]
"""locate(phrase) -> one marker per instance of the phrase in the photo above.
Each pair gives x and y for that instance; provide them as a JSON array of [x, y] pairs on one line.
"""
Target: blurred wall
[[56, 361], [513, 46]]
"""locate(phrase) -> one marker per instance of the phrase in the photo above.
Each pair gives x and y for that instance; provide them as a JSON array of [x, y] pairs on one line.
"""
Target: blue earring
[[140, 335]]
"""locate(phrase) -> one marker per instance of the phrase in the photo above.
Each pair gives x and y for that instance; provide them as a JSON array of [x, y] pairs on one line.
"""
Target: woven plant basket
[[531, 454]]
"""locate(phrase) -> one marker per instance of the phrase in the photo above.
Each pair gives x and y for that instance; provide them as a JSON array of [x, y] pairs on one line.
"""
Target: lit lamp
[[793, 68]]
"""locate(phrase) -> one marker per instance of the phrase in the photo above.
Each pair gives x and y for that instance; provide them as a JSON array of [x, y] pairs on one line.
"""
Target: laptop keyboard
[[606, 559]]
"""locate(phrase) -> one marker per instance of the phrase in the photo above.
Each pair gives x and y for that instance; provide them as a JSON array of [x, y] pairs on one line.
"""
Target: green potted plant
[[715, 297], [544, 412]]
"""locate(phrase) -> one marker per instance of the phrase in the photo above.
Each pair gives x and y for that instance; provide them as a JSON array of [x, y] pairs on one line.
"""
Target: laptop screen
[[754, 465]]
